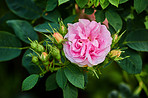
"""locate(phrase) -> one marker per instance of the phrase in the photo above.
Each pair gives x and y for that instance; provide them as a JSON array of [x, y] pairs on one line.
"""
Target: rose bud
[[56, 53], [35, 59], [58, 37], [115, 53], [40, 48], [34, 45], [44, 56], [63, 29]]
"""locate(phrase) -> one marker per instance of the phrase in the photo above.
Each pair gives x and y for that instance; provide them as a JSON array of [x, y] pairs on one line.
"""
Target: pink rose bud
[[44, 56], [105, 22], [115, 37], [88, 43], [59, 38], [115, 53], [63, 29]]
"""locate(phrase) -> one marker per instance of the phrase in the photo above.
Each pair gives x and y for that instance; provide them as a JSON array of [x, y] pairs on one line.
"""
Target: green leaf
[[23, 30], [114, 19], [30, 82], [61, 78], [62, 1], [89, 11], [105, 4], [51, 4], [27, 63], [45, 27], [132, 64], [140, 5], [24, 8], [102, 1], [70, 19], [51, 82], [122, 1], [70, 91], [74, 75], [7, 16], [146, 24], [100, 15], [52, 16], [138, 40], [114, 2], [81, 3], [9, 45]]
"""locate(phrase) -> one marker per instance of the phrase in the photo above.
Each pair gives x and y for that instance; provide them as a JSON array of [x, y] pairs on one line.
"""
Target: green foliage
[[25, 8], [104, 3], [74, 75], [45, 27], [132, 64], [9, 46], [138, 40], [61, 78], [51, 5], [30, 82], [70, 19], [140, 5], [100, 16], [44, 16], [89, 11], [28, 64], [51, 82], [23, 30], [122, 1], [62, 1], [52, 15], [116, 23], [70, 91], [114, 2], [81, 3]]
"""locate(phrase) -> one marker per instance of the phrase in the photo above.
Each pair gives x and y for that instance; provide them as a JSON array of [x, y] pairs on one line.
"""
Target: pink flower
[[88, 43]]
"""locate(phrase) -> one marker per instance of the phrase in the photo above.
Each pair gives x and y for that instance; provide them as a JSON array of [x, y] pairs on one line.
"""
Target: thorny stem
[[41, 68]]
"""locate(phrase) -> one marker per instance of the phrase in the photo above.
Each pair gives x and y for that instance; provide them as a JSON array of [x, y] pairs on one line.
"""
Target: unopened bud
[[56, 53], [63, 29], [35, 59], [115, 53], [40, 48], [44, 56], [34, 45], [59, 38], [115, 37]]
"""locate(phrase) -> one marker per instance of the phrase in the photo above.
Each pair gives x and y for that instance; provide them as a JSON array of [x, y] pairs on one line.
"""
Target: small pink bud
[[116, 37], [115, 53], [105, 22], [44, 56], [59, 38]]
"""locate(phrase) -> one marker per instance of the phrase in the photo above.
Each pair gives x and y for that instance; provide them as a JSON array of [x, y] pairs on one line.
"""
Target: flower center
[[89, 38]]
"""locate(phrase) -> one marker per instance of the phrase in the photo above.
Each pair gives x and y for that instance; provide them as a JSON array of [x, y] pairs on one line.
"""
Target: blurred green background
[[12, 73]]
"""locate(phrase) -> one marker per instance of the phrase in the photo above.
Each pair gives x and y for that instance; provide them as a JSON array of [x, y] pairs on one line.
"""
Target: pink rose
[[88, 43]]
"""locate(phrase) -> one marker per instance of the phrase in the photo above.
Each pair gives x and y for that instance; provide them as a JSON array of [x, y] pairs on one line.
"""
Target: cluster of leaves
[[28, 17], [67, 78]]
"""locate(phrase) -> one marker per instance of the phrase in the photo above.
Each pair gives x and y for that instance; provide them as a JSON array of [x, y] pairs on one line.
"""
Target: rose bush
[[88, 43]]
